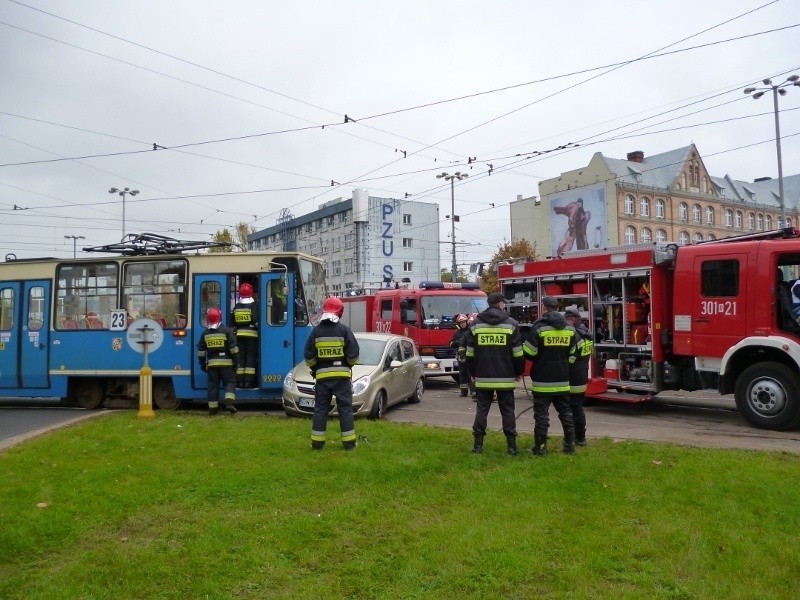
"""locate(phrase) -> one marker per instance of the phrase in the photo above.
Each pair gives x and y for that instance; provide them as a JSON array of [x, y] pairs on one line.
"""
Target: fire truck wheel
[[768, 396], [418, 391], [378, 405]]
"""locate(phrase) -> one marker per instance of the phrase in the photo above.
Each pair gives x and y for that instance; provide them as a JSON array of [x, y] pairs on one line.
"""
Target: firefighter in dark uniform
[[459, 342], [217, 352], [330, 352], [494, 358], [579, 372], [245, 319], [551, 346]]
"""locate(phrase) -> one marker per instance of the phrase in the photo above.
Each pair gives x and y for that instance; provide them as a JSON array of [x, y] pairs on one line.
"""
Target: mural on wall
[[578, 219]]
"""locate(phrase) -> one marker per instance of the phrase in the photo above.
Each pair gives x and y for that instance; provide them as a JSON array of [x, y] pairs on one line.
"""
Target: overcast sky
[[238, 92]]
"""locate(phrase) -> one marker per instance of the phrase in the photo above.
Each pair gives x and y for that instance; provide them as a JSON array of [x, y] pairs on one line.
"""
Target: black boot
[[569, 442], [477, 447], [351, 445], [580, 437], [317, 445], [512, 446], [539, 444], [464, 391], [230, 408]]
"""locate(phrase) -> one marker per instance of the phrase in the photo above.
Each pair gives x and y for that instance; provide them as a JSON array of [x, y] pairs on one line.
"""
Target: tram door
[[24, 334], [276, 330]]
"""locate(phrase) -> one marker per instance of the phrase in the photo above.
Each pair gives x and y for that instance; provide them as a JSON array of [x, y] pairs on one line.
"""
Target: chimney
[[636, 156], [757, 179]]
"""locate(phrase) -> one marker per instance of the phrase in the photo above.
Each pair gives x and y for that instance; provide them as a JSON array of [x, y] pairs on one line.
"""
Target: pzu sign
[[388, 240]]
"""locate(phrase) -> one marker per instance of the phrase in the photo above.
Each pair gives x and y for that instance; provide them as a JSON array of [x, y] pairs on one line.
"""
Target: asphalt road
[[696, 419]]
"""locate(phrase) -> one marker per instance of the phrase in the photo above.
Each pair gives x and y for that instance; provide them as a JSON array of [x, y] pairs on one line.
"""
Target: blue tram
[[64, 323]]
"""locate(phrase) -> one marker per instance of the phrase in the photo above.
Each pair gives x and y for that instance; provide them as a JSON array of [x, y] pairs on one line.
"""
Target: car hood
[[303, 373]]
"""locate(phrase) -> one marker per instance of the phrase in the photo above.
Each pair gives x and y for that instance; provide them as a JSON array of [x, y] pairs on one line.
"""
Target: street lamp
[[776, 89], [452, 179], [123, 193], [74, 239]]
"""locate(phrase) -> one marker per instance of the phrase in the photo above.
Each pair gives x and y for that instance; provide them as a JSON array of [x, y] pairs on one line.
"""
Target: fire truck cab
[[712, 315], [426, 313]]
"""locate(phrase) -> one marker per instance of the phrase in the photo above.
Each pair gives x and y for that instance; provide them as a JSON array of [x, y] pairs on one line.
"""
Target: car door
[[393, 377]]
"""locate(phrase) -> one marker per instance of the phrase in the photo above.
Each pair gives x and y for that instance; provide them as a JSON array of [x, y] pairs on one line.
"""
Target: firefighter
[[245, 318], [459, 342], [551, 345], [494, 357], [579, 372], [330, 352], [217, 351]]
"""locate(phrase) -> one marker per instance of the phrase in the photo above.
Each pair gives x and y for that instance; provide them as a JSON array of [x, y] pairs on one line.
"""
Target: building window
[[337, 268], [628, 205], [308, 227], [697, 237], [349, 241], [694, 172], [646, 235], [788, 222], [630, 235], [705, 185], [683, 211], [406, 242], [711, 237], [738, 223], [325, 245], [709, 215], [406, 219], [751, 221], [661, 236], [408, 266], [759, 222], [683, 237], [659, 209], [728, 218], [318, 224], [349, 265], [645, 207], [696, 213], [768, 223]]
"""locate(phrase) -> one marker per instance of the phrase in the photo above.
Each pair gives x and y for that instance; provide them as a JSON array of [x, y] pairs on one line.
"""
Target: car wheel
[[416, 398], [378, 405]]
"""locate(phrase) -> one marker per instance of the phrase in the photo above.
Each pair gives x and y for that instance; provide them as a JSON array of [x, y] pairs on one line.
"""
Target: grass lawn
[[185, 506]]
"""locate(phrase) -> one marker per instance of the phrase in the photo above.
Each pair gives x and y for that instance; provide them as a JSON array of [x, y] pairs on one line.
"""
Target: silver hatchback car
[[389, 371]]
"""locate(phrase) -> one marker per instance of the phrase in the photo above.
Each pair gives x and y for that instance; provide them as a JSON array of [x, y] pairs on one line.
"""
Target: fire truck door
[[718, 301]]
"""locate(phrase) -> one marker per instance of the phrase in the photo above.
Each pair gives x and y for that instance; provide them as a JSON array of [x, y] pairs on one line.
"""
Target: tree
[[509, 251], [237, 239], [446, 276]]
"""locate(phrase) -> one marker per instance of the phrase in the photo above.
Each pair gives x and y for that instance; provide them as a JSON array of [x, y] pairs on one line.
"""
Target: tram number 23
[[715, 307]]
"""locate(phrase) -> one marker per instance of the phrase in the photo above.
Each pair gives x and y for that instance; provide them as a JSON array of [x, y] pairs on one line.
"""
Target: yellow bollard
[[146, 393]]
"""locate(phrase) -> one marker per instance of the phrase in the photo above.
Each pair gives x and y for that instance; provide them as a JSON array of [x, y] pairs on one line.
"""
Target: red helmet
[[461, 319], [333, 305], [246, 290], [214, 316]]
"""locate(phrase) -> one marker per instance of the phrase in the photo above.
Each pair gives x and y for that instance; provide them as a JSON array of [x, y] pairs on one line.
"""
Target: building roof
[[764, 193], [657, 171]]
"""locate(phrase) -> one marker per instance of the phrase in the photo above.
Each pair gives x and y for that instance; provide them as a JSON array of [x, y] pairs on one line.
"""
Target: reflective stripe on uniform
[[330, 372], [577, 389], [550, 387], [496, 383]]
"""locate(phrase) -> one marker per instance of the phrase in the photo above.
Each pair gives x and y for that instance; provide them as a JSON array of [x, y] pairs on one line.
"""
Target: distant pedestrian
[[330, 352], [217, 352], [579, 372], [459, 342], [551, 344], [494, 358]]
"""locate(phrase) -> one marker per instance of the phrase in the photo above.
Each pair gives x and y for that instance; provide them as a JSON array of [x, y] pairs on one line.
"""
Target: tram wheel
[[164, 395], [87, 393]]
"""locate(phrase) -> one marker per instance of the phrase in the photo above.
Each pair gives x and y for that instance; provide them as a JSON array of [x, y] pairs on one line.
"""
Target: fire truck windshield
[[440, 311]]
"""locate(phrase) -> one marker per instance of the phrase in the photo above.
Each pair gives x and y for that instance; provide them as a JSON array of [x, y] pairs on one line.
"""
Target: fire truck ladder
[[145, 244], [775, 234]]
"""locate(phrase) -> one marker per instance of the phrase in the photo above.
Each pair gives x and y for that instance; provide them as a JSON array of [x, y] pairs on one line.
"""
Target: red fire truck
[[711, 315], [426, 314]]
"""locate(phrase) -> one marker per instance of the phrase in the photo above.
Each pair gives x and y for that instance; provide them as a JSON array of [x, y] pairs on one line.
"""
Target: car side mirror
[[395, 364]]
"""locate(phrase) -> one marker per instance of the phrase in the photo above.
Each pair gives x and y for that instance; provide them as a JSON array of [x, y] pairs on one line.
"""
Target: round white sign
[[145, 330]]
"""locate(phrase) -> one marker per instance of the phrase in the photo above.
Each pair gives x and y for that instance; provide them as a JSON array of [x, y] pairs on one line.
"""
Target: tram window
[[35, 308], [6, 309], [210, 296], [155, 290], [276, 314], [85, 295]]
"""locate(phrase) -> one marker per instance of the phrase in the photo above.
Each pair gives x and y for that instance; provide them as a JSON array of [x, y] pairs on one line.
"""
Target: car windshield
[[371, 351], [440, 311]]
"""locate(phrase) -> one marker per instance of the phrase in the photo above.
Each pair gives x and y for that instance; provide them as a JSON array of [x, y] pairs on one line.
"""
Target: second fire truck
[[712, 315]]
